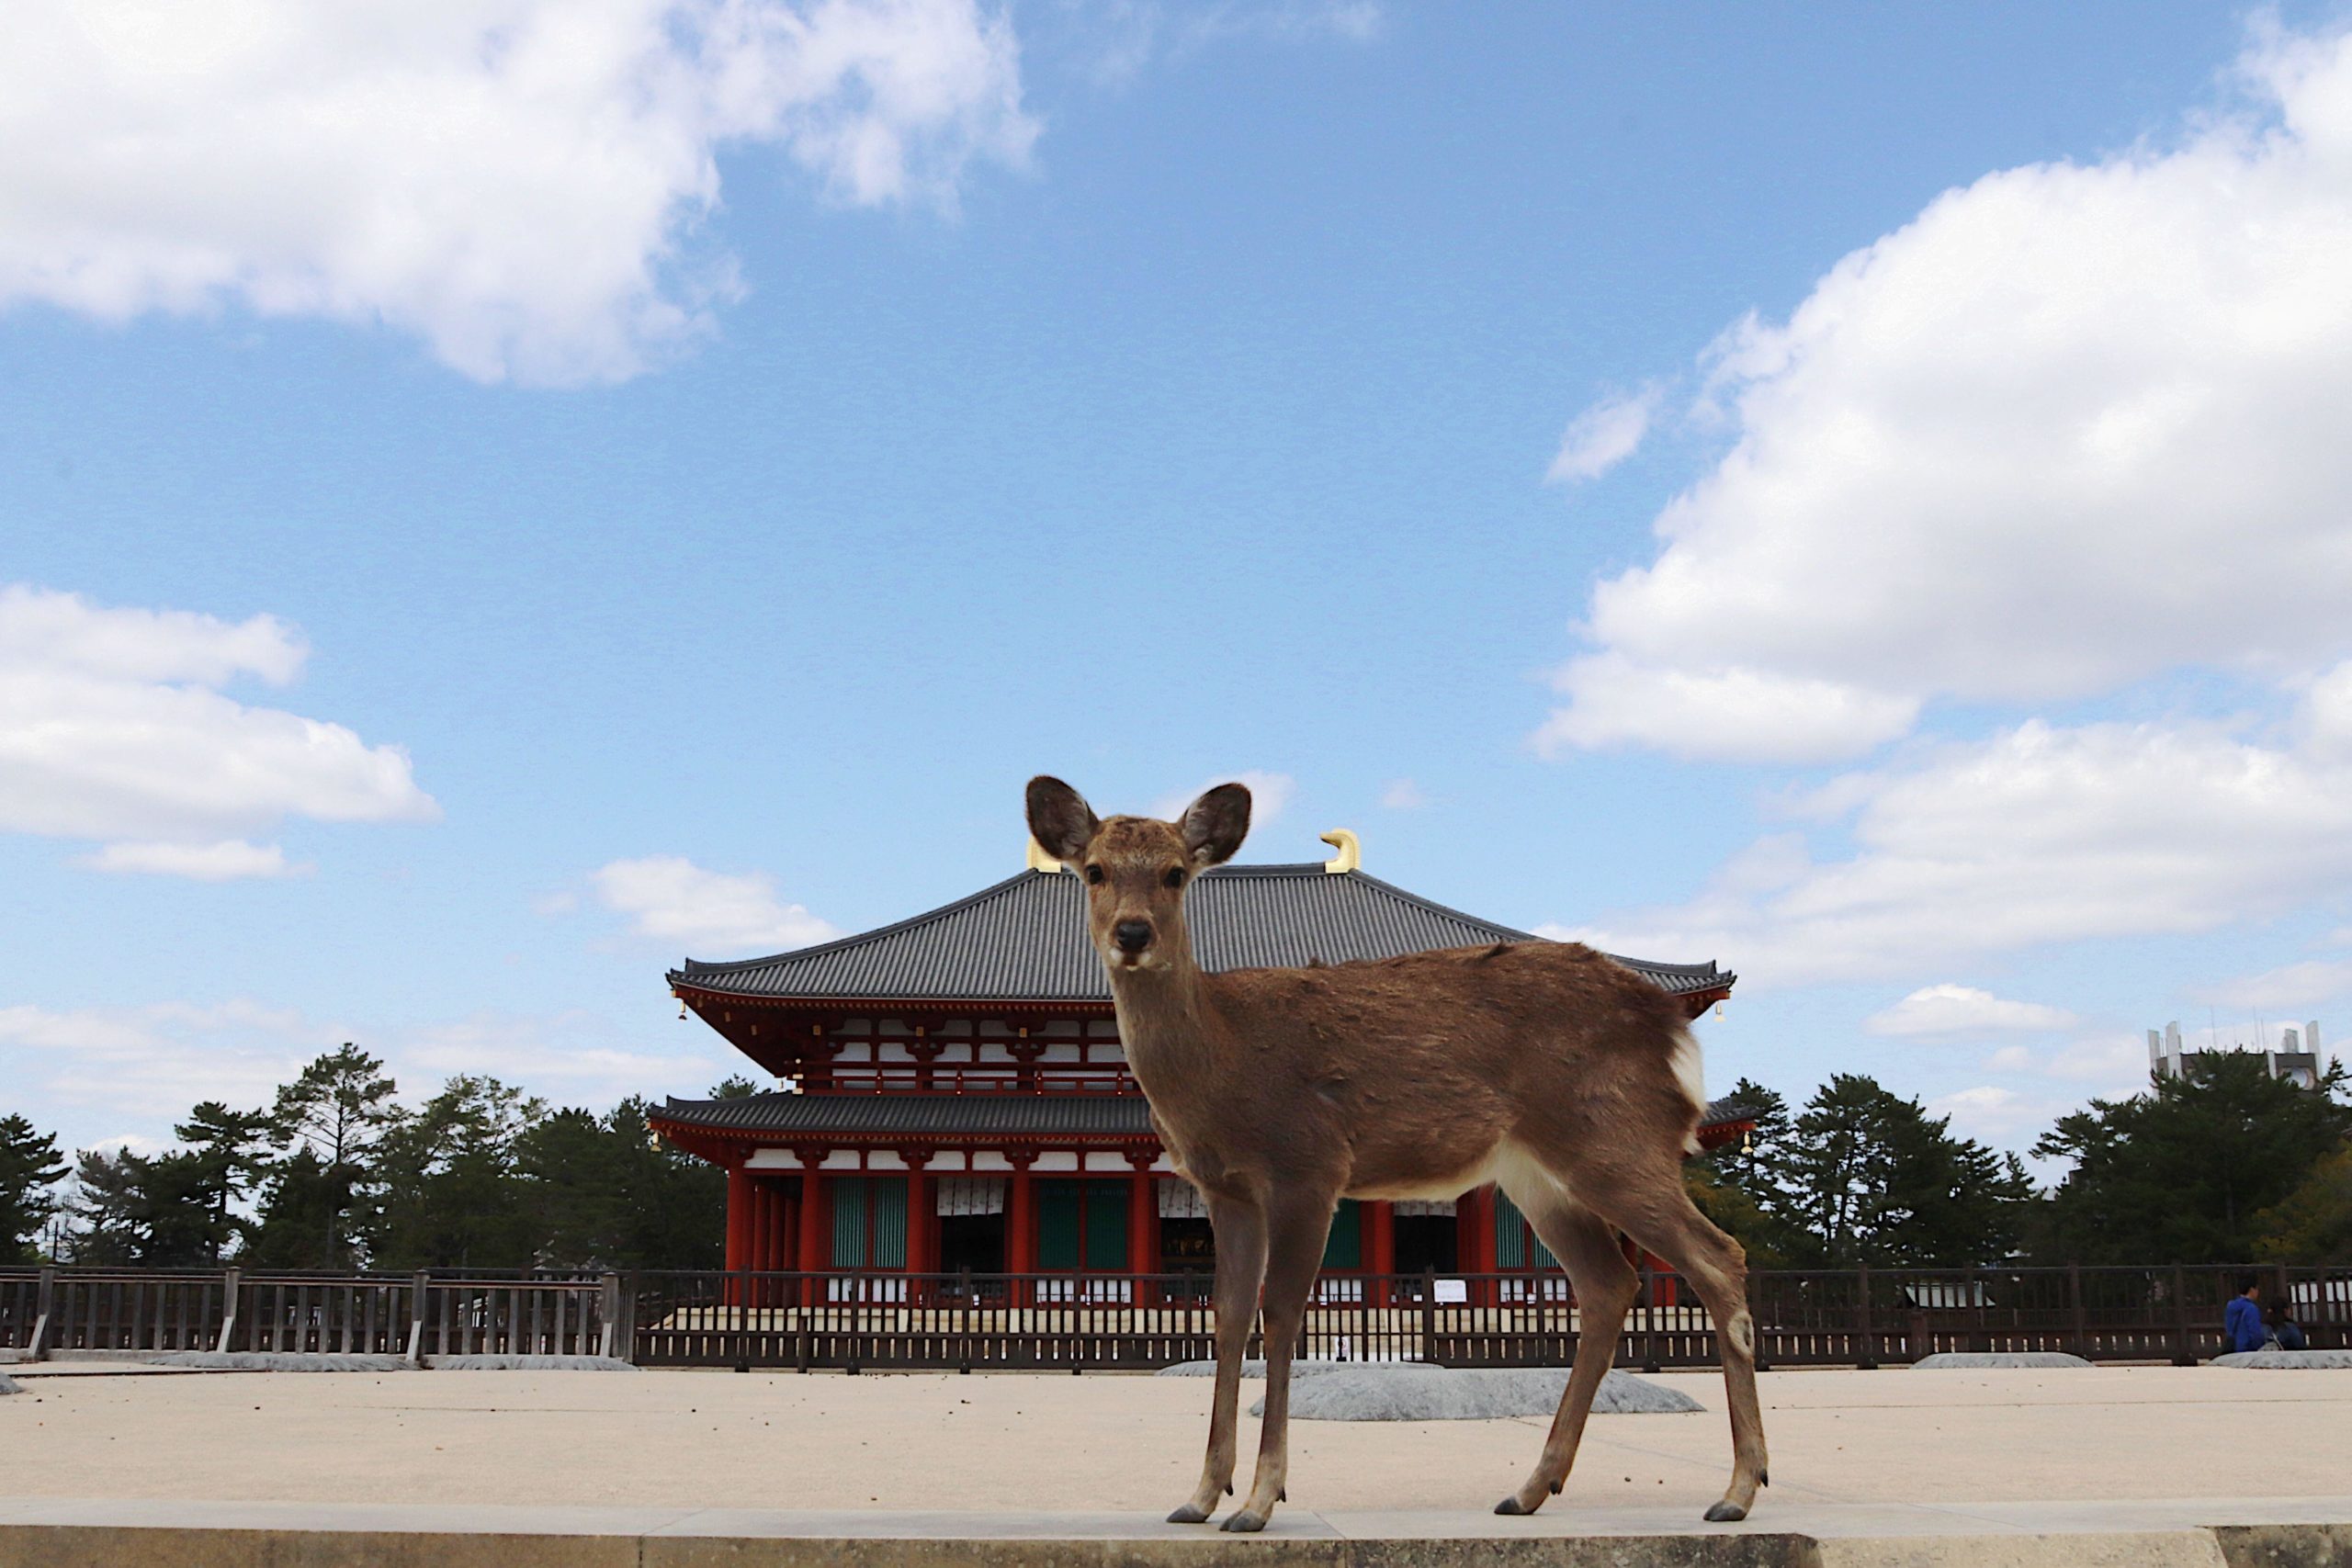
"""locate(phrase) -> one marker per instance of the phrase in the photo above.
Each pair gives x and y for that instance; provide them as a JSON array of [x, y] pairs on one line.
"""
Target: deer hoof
[[1725, 1513], [1188, 1515], [1245, 1523], [1512, 1505]]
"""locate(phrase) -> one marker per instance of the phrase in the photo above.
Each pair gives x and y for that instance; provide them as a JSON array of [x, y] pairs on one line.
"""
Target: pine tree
[[229, 1154], [339, 1108], [452, 1192], [1873, 1179], [29, 1170], [2183, 1172]]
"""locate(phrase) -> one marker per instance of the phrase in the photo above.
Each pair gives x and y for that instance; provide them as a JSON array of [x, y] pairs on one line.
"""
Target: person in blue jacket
[[2242, 1324]]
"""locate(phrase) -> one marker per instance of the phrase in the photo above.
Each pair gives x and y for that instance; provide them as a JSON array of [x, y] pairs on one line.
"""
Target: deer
[[1544, 1067]]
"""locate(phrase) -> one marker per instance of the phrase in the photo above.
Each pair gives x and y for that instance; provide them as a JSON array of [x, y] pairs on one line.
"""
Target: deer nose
[[1132, 936]]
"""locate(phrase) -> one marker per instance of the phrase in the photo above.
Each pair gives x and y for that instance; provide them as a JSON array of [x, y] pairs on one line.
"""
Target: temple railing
[[136, 1312], [853, 1320]]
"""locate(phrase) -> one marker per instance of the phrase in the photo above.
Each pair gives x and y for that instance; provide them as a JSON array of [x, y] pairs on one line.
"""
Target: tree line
[[336, 1173], [2224, 1165]]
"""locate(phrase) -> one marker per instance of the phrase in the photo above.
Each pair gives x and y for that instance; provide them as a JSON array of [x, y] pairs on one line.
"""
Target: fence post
[[420, 1290], [2076, 1312], [608, 1303], [45, 1300], [1649, 1315], [743, 1294], [232, 1295], [1866, 1341], [1429, 1317], [2181, 1354]]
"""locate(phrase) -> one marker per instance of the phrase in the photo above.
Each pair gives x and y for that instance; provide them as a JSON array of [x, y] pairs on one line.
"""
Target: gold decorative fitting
[[1747, 1143], [681, 1009], [1719, 1010], [1039, 860], [1350, 848]]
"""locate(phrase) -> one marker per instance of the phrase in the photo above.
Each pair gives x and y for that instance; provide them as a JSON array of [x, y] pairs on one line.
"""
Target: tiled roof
[[856, 1115], [1031, 1115], [1025, 939]]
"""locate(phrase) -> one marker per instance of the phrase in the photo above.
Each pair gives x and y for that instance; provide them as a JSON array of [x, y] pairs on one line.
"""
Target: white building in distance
[[2296, 1060]]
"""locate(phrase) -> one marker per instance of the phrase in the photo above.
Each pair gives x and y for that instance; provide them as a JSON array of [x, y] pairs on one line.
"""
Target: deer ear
[[1060, 818], [1215, 825]]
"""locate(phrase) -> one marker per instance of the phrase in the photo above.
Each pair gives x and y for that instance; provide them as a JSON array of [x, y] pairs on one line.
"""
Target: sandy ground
[[1098, 1442]]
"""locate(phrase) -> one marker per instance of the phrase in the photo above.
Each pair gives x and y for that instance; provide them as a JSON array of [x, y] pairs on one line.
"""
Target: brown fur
[[1544, 1067]]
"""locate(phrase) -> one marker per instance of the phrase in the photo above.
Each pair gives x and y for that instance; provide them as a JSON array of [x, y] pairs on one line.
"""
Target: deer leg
[[1298, 1224], [1605, 1286], [1241, 1232], [1661, 1217]]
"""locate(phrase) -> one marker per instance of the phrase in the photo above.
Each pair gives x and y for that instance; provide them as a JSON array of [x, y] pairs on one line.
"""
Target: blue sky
[[1856, 493]]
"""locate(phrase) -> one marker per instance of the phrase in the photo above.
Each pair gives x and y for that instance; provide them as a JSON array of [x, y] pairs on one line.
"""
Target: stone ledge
[[46, 1533]]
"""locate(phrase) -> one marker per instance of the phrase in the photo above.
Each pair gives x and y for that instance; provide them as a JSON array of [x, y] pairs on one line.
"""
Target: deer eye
[[1175, 878], [1094, 875]]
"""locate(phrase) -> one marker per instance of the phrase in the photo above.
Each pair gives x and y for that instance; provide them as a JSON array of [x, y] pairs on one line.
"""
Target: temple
[[958, 1100]]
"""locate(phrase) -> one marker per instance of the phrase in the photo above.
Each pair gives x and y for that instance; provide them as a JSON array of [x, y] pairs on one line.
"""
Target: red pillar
[[1379, 1222], [762, 1258], [1143, 1227], [739, 1227], [922, 1225], [816, 1251], [1474, 1214], [1020, 1227], [739, 1215]]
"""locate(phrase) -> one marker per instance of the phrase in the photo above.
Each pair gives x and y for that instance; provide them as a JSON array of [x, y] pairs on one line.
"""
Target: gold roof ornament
[[1039, 860], [1350, 848]]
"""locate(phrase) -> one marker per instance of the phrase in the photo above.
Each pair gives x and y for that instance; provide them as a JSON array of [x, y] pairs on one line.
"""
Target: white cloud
[[156, 1061], [147, 1065], [2075, 426], [1117, 39], [1268, 794], [1996, 1114], [227, 861], [2289, 986], [111, 727], [1750, 715], [2111, 1064], [1962, 1009], [2010, 1059], [123, 1142], [672, 899], [1605, 434], [559, 1055], [1403, 794], [2039, 834], [521, 183]]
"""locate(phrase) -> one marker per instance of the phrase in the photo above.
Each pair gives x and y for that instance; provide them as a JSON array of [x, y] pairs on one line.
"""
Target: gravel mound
[[1378, 1392], [1298, 1369], [528, 1364], [1951, 1360], [2280, 1360], [281, 1361]]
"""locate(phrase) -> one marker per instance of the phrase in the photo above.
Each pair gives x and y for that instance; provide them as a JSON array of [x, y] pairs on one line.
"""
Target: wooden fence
[[961, 1322], [66, 1312]]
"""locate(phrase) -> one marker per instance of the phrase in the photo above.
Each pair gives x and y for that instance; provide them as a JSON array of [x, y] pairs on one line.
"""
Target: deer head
[[1136, 868]]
